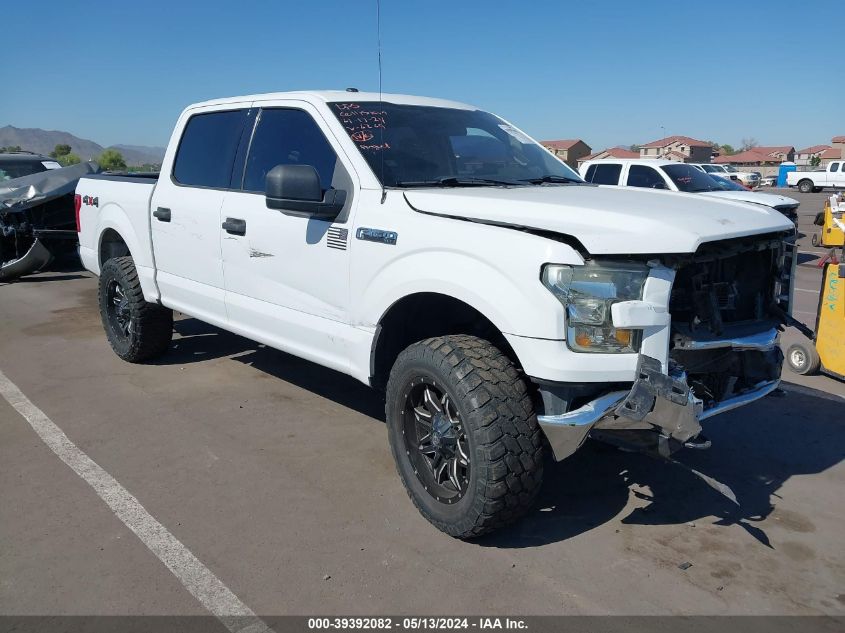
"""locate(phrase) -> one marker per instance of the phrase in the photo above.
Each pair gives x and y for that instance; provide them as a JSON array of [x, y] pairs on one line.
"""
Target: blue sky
[[608, 72]]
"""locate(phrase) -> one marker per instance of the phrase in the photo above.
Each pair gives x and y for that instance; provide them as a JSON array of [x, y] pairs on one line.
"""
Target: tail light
[[77, 205]]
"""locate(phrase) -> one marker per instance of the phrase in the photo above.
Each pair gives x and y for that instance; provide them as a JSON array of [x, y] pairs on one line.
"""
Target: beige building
[[680, 148], [610, 152], [570, 151], [804, 156]]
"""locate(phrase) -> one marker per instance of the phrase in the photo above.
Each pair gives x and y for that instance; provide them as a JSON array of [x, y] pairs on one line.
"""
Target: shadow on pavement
[[200, 341], [755, 450]]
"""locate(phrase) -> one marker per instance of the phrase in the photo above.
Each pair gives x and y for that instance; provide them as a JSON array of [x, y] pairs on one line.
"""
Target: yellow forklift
[[826, 351]]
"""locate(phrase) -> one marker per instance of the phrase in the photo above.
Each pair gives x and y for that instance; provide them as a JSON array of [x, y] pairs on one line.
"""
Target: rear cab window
[[207, 149], [604, 173]]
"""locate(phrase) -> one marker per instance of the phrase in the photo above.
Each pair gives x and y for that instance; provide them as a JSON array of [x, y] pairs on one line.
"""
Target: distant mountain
[[44, 141], [141, 154]]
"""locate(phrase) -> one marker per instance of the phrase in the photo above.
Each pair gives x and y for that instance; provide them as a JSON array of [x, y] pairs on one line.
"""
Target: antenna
[[380, 103]]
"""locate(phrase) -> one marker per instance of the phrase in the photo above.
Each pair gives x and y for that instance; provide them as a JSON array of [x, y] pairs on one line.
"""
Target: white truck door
[[281, 271], [186, 204], [836, 175]]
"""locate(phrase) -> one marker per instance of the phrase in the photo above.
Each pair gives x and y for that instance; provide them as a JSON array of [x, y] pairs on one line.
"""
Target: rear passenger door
[[603, 173], [645, 177], [185, 208], [836, 175]]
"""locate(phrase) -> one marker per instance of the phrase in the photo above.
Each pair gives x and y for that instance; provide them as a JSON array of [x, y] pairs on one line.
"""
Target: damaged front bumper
[[662, 408]]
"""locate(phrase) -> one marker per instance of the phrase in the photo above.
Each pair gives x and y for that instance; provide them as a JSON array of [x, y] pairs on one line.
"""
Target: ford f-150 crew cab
[[435, 251], [814, 181]]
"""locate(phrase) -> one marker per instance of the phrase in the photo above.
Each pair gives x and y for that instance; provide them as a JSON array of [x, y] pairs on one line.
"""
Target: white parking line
[[194, 576]]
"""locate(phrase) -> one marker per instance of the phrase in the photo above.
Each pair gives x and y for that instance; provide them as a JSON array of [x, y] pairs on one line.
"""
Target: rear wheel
[[464, 435], [803, 359], [805, 186], [136, 330], [815, 239]]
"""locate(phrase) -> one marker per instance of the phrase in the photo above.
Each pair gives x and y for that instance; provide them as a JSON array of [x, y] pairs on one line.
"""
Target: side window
[[591, 171], [287, 137], [643, 176], [834, 167], [207, 149], [605, 174]]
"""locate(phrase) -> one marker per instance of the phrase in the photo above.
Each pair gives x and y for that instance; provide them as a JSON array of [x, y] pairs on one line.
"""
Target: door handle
[[162, 214], [235, 226]]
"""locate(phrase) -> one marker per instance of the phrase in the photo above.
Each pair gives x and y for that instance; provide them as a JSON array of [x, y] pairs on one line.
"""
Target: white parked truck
[[671, 175], [832, 176], [437, 252]]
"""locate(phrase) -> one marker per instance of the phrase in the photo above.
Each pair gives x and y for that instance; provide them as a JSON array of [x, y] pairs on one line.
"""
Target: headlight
[[587, 293]]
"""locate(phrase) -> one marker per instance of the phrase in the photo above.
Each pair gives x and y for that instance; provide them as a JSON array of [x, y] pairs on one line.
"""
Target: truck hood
[[769, 199], [606, 220]]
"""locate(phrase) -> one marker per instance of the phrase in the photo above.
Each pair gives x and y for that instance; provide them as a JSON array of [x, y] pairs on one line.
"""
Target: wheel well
[[112, 245], [421, 316]]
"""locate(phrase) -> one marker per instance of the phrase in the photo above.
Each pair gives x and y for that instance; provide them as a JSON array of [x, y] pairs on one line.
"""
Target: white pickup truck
[[435, 251], [833, 176]]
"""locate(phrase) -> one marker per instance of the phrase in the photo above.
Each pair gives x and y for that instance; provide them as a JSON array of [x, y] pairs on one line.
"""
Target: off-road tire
[[805, 186], [151, 325], [803, 359], [496, 410], [814, 240]]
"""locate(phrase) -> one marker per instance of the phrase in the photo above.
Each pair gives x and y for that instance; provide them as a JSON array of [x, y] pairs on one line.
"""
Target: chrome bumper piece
[[762, 342], [656, 402]]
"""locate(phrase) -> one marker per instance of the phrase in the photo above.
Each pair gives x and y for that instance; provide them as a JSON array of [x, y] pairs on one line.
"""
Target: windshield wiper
[[551, 178], [454, 181]]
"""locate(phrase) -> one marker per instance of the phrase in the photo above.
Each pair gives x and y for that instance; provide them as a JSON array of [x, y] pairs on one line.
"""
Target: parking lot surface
[[275, 473]]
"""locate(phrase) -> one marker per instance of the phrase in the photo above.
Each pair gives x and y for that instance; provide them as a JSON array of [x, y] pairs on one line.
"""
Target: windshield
[[712, 169], [731, 169], [726, 184], [412, 145], [10, 169], [688, 178]]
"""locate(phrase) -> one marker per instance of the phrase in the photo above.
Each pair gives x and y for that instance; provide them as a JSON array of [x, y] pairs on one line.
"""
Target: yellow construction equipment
[[826, 350], [832, 223]]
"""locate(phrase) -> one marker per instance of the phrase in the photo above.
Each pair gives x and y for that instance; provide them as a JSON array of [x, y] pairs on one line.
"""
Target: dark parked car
[[17, 164], [37, 215]]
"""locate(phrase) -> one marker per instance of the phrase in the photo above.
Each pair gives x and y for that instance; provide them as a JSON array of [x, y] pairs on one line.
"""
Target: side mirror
[[295, 190]]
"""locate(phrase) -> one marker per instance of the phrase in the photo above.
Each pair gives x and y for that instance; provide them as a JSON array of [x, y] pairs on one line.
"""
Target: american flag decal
[[336, 237]]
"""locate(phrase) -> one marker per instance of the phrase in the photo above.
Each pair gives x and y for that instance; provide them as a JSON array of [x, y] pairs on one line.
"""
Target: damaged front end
[[728, 302], [37, 219]]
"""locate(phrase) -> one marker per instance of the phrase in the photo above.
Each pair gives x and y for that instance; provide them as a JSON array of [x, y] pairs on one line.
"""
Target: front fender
[[508, 291]]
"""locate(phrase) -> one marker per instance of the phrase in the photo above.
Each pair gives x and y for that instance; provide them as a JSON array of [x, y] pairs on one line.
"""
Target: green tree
[[60, 150], [727, 150], [111, 160], [10, 148], [815, 161], [68, 159]]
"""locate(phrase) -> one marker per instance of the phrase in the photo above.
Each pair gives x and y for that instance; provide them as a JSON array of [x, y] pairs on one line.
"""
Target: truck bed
[[117, 206]]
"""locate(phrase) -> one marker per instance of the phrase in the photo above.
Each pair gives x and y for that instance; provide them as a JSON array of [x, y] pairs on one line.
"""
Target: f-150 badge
[[377, 235]]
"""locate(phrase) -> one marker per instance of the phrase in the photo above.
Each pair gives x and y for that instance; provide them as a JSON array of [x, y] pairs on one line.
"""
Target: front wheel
[[464, 435], [136, 330]]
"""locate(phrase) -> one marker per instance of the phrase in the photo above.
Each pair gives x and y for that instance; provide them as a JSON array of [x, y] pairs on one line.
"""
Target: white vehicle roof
[[768, 199], [328, 96]]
